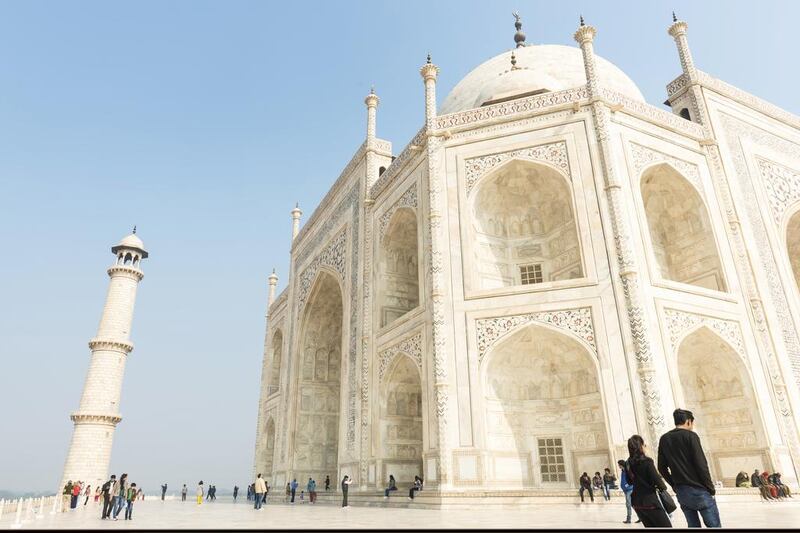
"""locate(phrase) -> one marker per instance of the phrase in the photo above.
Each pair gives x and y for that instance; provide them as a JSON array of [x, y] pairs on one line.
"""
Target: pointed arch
[[275, 364], [545, 421], [793, 242], [524, 227], [401, 419], [398, 267], [269, 448], [681, 234], [717, 387]]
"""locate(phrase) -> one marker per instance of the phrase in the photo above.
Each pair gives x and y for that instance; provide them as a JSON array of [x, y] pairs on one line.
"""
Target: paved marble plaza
[[222, 514]]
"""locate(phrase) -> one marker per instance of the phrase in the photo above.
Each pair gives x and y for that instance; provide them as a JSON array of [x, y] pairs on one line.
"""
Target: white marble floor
[[154, 514]]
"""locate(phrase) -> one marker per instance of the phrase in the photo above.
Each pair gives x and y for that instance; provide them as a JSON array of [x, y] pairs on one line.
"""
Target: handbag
[[666, 501]]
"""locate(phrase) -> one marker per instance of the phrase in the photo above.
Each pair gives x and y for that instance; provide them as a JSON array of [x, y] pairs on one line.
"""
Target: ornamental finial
[[519, 37], [582, 22], [134, 230], [674, 17], [429, 60], [371, 89], [513, 61]]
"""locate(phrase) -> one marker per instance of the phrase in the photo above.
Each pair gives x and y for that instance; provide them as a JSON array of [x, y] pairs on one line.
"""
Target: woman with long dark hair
[[646, 482]]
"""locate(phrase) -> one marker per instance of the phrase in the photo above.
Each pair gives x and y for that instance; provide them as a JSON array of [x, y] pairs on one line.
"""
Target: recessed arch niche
[[717, 389], [544, 410], [275, 371], [317, 434], [398, 280], [793, 245], [680, 229], [269, 449], [523, 227], [401, 420]]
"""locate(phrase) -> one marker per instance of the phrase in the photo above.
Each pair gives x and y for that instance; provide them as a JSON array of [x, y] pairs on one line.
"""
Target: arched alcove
[[401, 420], [793, 245], [524, 228], [717, 389], [317, 433], [680, 229], [269, 449], [398, 282], [275, 370], [544, 411]]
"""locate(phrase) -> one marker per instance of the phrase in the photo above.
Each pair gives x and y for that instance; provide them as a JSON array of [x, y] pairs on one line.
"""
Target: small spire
[[371, 89], [519, 37], [582, 22], [297, 205], [429, 59], [273, 270], [674, 17], [134, 230]]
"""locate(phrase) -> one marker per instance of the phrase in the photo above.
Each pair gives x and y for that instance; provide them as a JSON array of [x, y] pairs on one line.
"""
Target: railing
[[16, 512]]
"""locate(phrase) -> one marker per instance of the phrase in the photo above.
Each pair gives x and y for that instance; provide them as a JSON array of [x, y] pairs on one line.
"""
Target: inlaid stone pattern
[[554, 154], [333, 255], [782, 185], [679, 322], [411, 346], [575, 321], [644, 157], [408, 199]]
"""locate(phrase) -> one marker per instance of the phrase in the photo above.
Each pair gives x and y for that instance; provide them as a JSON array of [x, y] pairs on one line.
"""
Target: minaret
[[273, 282], [296, 214], [98, 414]]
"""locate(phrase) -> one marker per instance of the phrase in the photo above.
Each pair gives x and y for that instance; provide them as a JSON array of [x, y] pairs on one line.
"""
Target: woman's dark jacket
[[645, 480]]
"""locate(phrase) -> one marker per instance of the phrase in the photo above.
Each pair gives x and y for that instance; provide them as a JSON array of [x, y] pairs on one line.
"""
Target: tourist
[[597, 482], [608, 483], [109, 490], [260, 488], [200, 493], [213, 493], [163, 491], [755, 481], [266, 492], [235, 492], [302, 496], [293, 487], [132, 498], [97, 494], [646, 482], [392, 486], [585, 484], [288, 492], [123, 488], [742, 479], [140, 494], [66, 496], [776, 480], [184, 490], [416, 487], [249, 491], [327, 483], [346, 481], [311, 487], [773, 490], [76, 493], [627, 488], [683, 464], [87, 492]]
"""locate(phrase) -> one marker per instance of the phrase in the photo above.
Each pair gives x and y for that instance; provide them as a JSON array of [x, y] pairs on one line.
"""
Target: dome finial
[[134, 230], [582, 22], [371, 89], [429, 59], [674, 17], [519, 37]]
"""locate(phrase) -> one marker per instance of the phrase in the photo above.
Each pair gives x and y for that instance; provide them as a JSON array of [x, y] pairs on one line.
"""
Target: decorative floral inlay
[[411, 346], [643, 157], [679, 322], [553, 153], [782, 185], [409, 199], [576, 321], [333, 255]]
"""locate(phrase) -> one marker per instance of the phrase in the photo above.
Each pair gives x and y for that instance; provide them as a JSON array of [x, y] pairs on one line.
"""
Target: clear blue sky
[[203, 123]]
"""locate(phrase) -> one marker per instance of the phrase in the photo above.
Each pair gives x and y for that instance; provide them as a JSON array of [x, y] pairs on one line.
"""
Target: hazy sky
[[203, 123]]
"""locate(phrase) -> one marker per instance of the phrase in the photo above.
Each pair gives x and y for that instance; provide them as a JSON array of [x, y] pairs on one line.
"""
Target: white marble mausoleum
[[549, 266]]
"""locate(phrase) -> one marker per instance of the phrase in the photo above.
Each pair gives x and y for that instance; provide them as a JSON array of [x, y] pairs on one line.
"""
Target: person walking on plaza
[[163, 491], [107, 492], [184, 490], [76, 493], [260, 488], [627, 488], [327, 483], [87, 492], [311, 487], [123, 488], [235, 492], [266, 491], [392, 486], [683, 464], [200, 493], [608, 484], [288, 492], [346, 481], [293, 487], [97, 494], [646, 483], [131, 497], [585, 484], [66, 496]]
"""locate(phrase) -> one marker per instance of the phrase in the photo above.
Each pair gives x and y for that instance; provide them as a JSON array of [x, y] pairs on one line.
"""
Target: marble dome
[[540, 68]]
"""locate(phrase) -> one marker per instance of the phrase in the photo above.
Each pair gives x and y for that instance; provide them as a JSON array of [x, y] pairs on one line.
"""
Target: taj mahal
[[550, 265]]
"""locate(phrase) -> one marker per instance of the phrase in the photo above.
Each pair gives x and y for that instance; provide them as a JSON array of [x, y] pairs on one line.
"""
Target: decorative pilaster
[[429, 73], [626, 260], [296, 214]]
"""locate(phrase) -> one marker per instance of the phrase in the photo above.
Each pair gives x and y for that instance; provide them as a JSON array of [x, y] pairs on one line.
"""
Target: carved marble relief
[[679, 322], [554, 154], [782, 185], [411, 346]]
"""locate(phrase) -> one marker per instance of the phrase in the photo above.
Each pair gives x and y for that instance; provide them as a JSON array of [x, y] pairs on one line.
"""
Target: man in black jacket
[[108, 487], [683, 465]]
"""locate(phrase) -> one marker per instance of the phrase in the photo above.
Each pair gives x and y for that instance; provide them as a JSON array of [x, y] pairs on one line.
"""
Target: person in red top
[[76, 492]]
